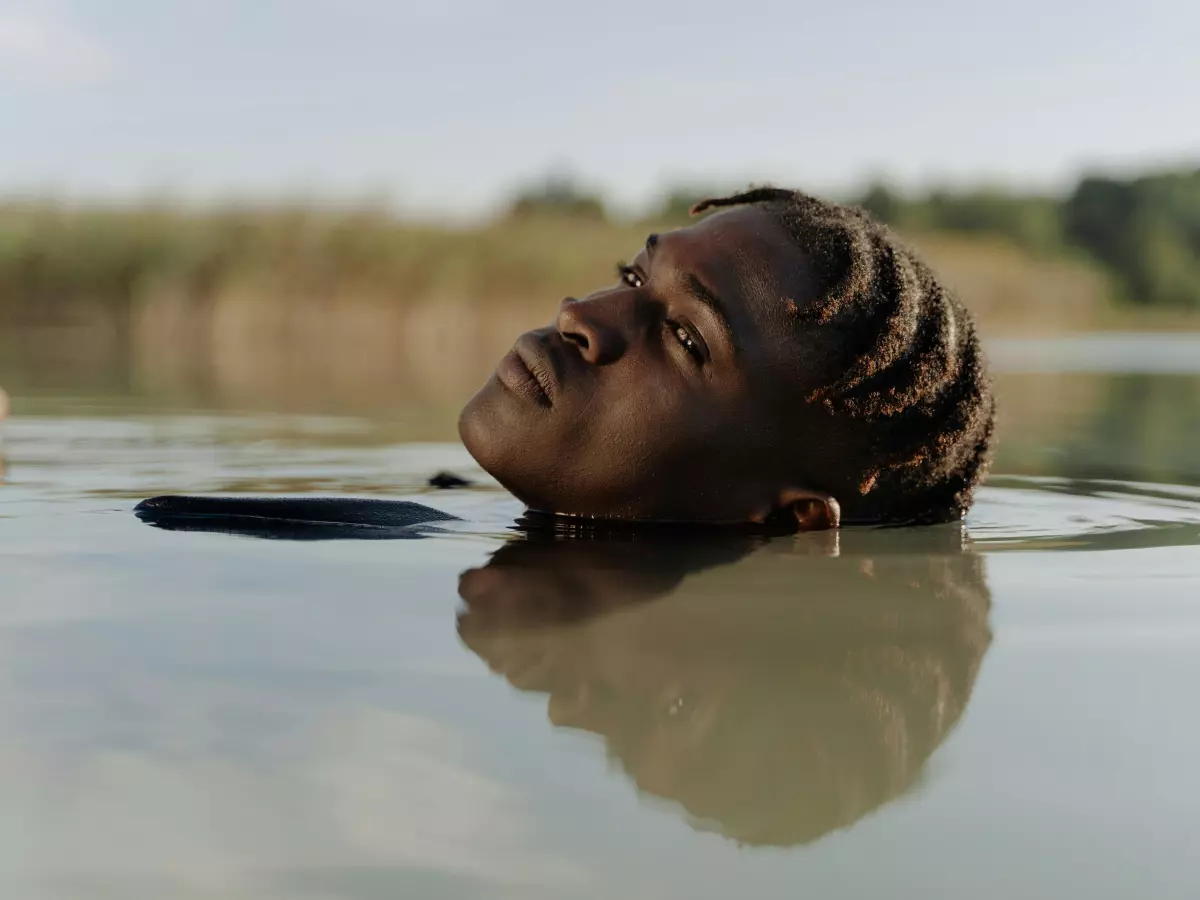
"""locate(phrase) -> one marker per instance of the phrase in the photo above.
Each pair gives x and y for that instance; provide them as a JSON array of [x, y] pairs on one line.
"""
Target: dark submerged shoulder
[[367, 513]]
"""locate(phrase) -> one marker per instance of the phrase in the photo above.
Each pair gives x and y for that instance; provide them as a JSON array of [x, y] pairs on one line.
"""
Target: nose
[[590, 326]]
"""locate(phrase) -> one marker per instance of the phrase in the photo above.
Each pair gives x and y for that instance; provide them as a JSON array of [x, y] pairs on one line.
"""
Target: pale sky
[[445, 106]]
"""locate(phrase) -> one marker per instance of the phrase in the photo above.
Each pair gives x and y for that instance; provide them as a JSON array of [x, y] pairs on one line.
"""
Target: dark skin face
[[671, 395]]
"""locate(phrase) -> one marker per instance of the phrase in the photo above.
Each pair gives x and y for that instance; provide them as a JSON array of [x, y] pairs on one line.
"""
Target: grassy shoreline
[[295, 307], [61, 263]]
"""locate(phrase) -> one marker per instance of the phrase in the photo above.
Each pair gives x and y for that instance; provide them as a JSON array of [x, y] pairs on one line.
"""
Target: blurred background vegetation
[[1141, 235], [327, 306], [505, 157], [1144, 231]]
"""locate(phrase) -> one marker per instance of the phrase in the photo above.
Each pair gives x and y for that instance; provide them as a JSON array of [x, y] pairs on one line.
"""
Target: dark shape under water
[[294, 518], [355, 518]]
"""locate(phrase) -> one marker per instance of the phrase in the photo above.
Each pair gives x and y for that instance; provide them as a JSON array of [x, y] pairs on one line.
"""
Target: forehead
[[746, 242]]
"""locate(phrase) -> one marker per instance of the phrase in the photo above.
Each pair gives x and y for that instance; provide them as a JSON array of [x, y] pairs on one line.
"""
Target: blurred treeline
[[1144, 231], [316, 307], [56, 259]]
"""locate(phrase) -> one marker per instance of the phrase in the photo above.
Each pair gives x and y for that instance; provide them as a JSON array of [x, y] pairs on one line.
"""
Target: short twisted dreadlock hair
[[916, 387]]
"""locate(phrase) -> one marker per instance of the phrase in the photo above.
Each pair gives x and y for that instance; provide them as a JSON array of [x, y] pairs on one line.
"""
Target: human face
[[660, 397]]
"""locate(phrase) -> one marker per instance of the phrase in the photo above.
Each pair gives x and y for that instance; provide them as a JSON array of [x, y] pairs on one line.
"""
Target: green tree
[[1147, 230]]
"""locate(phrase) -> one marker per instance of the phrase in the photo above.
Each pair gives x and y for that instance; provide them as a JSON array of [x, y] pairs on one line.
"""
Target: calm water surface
[[917, 713]]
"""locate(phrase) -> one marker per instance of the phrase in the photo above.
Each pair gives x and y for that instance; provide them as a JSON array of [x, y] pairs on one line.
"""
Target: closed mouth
[[537, 362], [525, 372]]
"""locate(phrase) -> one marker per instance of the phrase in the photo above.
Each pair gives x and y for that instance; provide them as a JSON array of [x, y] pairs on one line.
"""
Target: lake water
[[1002, 712]]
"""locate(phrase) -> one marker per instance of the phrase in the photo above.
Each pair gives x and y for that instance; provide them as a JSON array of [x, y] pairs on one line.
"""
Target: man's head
[[781, 359]]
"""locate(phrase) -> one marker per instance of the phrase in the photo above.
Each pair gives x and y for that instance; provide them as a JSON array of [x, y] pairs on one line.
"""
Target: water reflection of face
[[776, 699]]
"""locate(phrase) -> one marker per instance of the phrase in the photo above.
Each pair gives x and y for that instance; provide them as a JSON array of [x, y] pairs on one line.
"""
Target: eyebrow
[[697, 289]]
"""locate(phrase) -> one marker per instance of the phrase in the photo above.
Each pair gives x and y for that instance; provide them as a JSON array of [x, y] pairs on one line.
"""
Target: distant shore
[[75, 265], [311, 308]]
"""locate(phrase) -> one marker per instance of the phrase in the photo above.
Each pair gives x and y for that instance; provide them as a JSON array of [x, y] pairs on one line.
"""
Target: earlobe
[[813, 510]]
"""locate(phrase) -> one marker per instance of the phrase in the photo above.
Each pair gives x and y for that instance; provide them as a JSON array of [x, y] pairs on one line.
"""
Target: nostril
[[570, 326], [588, 324]]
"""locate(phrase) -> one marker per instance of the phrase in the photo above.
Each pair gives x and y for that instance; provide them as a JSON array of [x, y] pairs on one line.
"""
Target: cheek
[[644, 418], [665, 449]]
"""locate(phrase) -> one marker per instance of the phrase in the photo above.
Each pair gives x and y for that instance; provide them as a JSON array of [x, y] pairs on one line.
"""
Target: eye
[[629, 275], [689, 343]]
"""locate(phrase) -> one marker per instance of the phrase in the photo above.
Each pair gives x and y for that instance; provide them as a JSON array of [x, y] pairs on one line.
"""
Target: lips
[[527, 372]]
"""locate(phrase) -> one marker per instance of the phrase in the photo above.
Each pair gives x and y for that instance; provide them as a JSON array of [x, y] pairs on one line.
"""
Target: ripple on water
[[124, 460], [1026, 513]]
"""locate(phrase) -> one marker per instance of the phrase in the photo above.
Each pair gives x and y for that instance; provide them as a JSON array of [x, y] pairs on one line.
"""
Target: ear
[[813, 510]]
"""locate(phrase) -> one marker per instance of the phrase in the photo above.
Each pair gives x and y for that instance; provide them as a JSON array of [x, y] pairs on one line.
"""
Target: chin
[[511, 447], [489, 436], [477, 428]]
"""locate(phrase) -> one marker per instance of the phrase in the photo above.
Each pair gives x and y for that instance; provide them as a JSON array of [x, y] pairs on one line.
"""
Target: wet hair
[[910, 381]]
